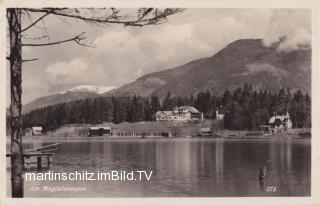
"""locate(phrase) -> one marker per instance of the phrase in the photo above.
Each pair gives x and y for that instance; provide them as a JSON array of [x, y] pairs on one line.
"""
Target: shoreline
[[48, 138], [162, 130]]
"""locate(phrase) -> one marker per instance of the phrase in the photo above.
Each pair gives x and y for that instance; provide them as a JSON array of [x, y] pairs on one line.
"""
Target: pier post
[[49, 159], [262, 173], [262, 185], [39, 162]]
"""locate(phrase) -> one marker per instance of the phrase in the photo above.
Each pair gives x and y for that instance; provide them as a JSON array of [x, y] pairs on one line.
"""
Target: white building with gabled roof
[[182, 113], [36, 131], [220, 113], [278, 122]]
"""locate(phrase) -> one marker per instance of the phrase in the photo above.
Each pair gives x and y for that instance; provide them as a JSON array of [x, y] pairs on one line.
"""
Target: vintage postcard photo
[[158, 102]]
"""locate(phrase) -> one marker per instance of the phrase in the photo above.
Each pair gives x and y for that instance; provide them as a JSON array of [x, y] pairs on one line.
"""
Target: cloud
[[123, 54], [33, 88], [67, 72], [62, 76], [300, 38], [127, 54], [293, 25]]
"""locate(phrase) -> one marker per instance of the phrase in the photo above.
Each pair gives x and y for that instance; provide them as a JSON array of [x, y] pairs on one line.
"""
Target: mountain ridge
[[244, 61], [76, 93]]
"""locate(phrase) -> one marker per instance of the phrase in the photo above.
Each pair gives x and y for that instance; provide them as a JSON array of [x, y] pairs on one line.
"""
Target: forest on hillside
[[246, 109]]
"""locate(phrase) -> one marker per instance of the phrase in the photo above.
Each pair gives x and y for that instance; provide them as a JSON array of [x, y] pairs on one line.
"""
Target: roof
[[140, 127], [272, 120], [221, 110], [189, 108], [264, 126], [279, 117], [163, 113], [193, 110], [205, 129], [97, 128], [37, 128]]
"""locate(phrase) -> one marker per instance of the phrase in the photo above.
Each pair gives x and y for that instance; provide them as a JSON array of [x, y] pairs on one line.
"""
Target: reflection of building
[[219, 159], [36, 131], [183, 113]]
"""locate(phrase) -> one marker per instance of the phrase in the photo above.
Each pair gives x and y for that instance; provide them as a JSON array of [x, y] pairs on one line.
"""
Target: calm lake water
[[184, 167]]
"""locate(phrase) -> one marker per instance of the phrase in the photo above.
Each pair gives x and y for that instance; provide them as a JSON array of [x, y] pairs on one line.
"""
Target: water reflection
[[219, 159], [187, 167]]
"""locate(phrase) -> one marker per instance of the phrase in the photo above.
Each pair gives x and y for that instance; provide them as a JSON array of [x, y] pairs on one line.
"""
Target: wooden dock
[[39, 153], [38, 156]]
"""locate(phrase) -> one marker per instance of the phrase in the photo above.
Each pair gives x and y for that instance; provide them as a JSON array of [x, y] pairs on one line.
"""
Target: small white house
[[220, 113], [36, 131]]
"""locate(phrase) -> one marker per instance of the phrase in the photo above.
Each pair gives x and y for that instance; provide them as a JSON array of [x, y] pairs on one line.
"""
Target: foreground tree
[[141, 17]]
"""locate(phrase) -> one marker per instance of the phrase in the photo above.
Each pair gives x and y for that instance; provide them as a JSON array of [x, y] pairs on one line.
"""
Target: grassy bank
[[178, 130]]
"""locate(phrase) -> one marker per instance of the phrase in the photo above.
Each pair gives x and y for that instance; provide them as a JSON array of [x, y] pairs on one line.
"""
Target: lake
[[182, 167]]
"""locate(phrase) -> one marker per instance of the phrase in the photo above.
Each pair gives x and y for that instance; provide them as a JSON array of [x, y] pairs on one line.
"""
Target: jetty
[[39, 154]]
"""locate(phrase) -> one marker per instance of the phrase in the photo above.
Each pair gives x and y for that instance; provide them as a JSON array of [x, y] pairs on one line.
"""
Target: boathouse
[[99, 131], [35, 131], [205, 131], [141, 130]]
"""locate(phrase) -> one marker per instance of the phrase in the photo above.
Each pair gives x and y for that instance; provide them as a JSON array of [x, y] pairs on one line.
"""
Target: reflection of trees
[[177, 156], [288, 154], [195, 163]]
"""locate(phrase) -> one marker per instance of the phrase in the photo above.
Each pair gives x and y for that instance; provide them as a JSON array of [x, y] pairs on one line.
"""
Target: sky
[[123, 54]]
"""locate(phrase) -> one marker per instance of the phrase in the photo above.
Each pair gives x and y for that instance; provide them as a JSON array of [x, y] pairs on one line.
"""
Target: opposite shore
[[220, 135], [207, 129]]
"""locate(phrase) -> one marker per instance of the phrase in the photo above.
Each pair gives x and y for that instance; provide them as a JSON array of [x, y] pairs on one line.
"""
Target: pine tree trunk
[[14, 20]]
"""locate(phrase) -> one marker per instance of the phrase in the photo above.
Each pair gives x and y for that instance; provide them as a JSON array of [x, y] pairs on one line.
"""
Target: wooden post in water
[[262, 183], [49, 159], [262, 172], [39, 162]]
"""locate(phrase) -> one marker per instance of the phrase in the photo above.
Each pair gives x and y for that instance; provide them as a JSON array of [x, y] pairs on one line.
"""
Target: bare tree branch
[[28, 60], [158, 16], [146, 16], [77, 39], [35, 22], [35, 38], [143, 12]]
